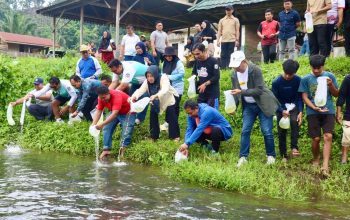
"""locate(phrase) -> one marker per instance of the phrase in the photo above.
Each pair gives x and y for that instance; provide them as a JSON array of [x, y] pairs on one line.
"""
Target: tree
[[15, 22]]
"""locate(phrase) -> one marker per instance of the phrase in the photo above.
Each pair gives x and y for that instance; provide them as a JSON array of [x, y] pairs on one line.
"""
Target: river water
[[58, 186]]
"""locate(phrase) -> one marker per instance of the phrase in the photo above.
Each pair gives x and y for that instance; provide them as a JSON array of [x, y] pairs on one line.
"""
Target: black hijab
[[153, 88], [104, 44], [208, 31], [169, 67]]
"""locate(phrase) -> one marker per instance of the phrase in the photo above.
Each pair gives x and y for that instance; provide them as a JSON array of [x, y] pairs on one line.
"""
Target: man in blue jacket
[[87, 96], [204, 123]]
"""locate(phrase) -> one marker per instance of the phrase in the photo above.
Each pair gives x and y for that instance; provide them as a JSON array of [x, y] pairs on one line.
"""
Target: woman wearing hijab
[[142, 56], [106, 48], [208, 34], [175, 70], [162, 97]]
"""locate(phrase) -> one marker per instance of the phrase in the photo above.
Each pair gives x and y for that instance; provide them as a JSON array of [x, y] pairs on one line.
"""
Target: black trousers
[[89, 106], [330, 34], [40, 112], [216, 136], [227, 48], [177, 105], [347, 40], [159, 57], [269, 53], [170, 117], [318, 40], [294, 133]]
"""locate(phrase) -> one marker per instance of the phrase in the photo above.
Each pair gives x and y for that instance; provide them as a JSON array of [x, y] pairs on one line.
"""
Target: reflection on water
[[59, 186]]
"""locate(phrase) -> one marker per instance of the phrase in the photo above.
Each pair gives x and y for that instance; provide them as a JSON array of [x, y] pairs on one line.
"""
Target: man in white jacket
[[65, 93]]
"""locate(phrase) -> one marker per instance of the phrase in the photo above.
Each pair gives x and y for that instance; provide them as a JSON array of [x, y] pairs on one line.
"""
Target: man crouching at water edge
[[65, 93], [87, 97], [204, 122], [117, 103], [42, 107]]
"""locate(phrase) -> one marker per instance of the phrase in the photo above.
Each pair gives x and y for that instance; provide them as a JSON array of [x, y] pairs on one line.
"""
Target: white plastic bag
[[179, 157], [75, 119], [93, 131], [321, 91], [23, 113], [29, 102], [9, 115], [309, 23], [192, 87], [205, 43], [230, 104], [140, 105], [285, 122]]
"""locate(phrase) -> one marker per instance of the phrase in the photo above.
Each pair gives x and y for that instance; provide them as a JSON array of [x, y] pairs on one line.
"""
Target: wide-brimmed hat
[[83, 48], [169, 51]]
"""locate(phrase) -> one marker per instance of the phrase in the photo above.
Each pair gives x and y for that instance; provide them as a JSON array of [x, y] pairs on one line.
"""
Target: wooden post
[[81, 24], [54, 36], [117, 22]]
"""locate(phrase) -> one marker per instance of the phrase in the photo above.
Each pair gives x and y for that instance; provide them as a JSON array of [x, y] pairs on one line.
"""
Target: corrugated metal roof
[[25, 39], [209, 4]]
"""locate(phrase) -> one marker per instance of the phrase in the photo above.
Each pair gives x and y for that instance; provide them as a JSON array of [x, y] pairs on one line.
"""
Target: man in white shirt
[[42, 108], [127, 47], [65, 92]]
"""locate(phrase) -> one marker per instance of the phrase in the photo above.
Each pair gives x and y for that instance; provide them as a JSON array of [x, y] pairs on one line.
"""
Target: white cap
[[236, 59]]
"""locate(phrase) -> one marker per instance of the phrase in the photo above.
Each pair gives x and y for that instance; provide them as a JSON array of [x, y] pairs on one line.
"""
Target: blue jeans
[[127, 123], [142, 115], [305, 49], [250, 112]]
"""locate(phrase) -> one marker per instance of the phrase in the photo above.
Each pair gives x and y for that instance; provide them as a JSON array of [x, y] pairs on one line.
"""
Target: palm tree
[[14, 22]]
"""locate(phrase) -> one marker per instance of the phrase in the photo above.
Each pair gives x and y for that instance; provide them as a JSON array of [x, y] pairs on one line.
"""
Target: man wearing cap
[[257, 100], [42, 108], [143, 38], [228, 35], [87, 66], [127, 46]]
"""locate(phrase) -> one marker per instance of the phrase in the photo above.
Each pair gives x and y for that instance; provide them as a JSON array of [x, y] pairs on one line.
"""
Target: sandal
[[295, 153]]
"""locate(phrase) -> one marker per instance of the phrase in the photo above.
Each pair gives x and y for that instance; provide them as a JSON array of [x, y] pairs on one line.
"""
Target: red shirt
[[267, 28], [117, 102]]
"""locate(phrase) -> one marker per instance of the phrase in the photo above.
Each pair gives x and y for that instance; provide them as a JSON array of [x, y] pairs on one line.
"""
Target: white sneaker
[[59, 121], [242, 161], [137, 121], [270, 160]]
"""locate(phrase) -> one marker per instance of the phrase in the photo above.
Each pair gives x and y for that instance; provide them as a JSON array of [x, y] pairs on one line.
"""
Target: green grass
[[297, 180]]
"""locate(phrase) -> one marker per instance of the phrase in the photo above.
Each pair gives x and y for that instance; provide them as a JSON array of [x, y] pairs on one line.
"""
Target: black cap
[[229, 8], [38, 81]]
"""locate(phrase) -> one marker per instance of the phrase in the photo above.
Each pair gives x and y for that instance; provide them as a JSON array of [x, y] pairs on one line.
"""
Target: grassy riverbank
[[296, 180]]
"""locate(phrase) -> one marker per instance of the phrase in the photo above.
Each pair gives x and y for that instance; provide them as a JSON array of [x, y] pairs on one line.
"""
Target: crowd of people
[[154, 70]]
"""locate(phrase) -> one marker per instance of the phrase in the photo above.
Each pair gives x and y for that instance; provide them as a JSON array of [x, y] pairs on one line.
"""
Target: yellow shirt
[[229, 29], [315, 5]]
